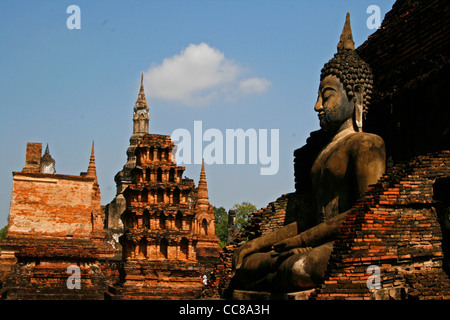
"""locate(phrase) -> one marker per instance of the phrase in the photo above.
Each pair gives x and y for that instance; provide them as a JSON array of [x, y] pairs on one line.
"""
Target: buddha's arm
[[263, 243], [370, 162], [315, 236]]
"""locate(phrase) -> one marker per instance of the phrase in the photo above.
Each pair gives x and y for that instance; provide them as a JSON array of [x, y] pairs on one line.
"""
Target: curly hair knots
[[348, 67]]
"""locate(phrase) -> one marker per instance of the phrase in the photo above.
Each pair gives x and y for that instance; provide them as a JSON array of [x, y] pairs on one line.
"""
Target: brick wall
[[397, 228], [410, 59], [48, 204]]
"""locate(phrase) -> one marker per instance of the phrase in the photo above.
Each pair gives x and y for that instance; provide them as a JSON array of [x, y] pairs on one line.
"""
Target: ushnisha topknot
[[350, 69]]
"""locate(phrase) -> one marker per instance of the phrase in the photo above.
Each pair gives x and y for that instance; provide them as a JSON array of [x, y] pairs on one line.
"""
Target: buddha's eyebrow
[[327, 88]]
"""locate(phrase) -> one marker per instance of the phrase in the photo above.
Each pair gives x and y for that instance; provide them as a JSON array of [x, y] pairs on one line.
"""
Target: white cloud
[[254, 85], [198, 76]]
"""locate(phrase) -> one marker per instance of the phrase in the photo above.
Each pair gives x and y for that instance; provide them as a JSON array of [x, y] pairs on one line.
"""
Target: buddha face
[[333, 105]]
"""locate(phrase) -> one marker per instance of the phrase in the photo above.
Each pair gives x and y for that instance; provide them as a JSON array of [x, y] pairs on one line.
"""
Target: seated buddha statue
[[289, 259]]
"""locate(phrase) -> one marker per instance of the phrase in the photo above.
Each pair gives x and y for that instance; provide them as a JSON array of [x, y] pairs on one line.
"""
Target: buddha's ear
[[358, 103]]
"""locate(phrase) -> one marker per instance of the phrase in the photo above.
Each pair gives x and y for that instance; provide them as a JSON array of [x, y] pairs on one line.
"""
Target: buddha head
[[345, 87]]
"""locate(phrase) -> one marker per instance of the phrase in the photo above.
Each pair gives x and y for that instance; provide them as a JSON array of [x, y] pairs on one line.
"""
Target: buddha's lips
[[321, 115]]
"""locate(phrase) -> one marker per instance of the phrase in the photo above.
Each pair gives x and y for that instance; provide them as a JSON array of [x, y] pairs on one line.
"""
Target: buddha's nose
[[318, 107]]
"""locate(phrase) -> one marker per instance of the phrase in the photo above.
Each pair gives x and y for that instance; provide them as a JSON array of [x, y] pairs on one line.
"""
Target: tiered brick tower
[[169, 243], [159, 219], [123, 178]]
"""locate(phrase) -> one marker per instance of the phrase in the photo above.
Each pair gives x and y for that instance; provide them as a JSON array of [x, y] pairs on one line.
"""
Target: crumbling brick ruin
[[399, 228], [55, 221]]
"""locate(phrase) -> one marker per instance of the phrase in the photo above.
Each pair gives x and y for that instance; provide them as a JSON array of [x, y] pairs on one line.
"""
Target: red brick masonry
[[395, 227]]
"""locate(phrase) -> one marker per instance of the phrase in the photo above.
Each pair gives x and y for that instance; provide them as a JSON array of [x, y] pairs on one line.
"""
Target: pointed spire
[[141, 89], [141, 101], [92, 172], [202, 173], [47, 162], [202, 190], [346, 40], [47, 151], [140, 114]]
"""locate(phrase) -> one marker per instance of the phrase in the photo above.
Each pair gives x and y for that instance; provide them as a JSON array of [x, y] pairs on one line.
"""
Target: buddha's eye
[[327, 94]]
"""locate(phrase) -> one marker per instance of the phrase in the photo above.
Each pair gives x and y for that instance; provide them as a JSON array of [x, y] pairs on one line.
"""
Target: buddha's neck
[[345, 129]]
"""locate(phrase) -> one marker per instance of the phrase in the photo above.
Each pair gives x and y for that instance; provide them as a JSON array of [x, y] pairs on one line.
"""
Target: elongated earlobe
[[358, 103]]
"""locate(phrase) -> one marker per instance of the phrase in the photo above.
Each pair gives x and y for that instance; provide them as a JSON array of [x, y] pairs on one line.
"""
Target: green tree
[[3, 232], [243, 212], [221, 221]]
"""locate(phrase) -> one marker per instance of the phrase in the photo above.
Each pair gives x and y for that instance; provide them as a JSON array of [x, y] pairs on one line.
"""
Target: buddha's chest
[[332, 180], [331, 167]]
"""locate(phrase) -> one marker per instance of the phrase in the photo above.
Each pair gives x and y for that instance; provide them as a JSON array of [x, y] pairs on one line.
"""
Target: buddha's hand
[[240, 253], [288, 244], [286, 254]]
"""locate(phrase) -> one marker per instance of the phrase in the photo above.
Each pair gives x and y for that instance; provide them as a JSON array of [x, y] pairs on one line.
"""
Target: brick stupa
[[169, 246]]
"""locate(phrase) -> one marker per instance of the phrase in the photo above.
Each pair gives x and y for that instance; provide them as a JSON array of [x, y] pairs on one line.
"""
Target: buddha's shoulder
[[362, 141]]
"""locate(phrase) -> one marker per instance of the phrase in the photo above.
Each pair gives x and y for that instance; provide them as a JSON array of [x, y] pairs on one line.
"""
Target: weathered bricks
[[33, 157], [406, 245], [47, 204]]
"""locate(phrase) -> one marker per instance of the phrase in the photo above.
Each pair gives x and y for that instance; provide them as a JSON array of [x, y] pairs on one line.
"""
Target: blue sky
[[68, 87]]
